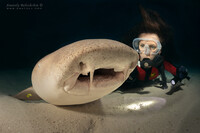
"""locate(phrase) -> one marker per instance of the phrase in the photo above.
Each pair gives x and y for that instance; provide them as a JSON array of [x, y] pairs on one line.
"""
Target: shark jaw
[[81, 84]]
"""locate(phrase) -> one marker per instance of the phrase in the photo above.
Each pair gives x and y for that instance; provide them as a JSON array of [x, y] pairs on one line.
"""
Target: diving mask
[[147, 46]]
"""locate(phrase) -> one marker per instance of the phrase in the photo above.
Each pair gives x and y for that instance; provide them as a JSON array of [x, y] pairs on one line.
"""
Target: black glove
[[163, 85], [182, 73]]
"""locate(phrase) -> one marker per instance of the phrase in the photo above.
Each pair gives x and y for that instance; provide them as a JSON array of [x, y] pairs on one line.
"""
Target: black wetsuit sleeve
[[133, 76], [130, 82]]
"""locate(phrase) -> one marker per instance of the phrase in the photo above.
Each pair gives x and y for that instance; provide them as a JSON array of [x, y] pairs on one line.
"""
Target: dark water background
[[28, 35]]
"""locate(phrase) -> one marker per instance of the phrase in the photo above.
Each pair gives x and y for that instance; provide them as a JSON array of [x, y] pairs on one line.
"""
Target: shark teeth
[[92, 79]]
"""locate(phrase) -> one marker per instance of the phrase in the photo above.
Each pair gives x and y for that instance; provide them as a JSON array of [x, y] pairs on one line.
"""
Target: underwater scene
[[99, 66]]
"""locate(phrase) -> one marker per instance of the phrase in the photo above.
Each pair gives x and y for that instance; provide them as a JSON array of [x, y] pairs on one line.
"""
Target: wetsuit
[[147, 74]]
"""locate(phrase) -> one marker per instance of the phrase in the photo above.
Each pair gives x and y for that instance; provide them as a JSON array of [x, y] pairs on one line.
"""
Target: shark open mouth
[[100, 77], [81, 84], [99, 74]]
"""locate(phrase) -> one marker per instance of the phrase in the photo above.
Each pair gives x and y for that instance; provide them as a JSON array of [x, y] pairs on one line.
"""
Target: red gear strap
[[170, 68], [154, 73], [141, 73]]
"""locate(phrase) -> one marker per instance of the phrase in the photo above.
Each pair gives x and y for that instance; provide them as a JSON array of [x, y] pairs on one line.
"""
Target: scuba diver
[[152, 39]]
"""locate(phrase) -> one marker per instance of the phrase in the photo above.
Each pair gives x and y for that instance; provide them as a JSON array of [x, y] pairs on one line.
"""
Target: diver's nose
[[147, 51]]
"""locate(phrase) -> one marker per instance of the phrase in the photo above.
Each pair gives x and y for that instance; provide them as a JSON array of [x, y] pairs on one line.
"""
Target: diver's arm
[[158, 62], [133, 76], [161, 70]]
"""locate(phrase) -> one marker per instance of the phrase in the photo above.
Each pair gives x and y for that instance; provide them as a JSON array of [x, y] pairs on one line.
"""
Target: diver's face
[[147, 53]]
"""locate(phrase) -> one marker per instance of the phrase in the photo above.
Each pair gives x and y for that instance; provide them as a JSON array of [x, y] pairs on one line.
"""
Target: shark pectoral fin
[[27, 94]]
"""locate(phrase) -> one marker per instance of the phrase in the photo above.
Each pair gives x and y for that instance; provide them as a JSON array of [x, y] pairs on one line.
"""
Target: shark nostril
[[83, 68], [82, 65]]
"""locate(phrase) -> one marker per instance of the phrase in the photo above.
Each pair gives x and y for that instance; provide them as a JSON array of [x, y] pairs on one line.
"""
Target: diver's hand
[[163, 85], [182, 73]]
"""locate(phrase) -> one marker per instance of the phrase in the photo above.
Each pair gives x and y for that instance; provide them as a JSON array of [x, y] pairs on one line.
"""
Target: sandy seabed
[[149, 110]]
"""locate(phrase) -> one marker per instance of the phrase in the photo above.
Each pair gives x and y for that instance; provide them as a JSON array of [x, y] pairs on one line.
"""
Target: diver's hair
[[151, 23]]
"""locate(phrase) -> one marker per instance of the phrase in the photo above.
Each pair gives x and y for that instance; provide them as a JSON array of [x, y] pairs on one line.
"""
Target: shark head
[[83, 71]]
